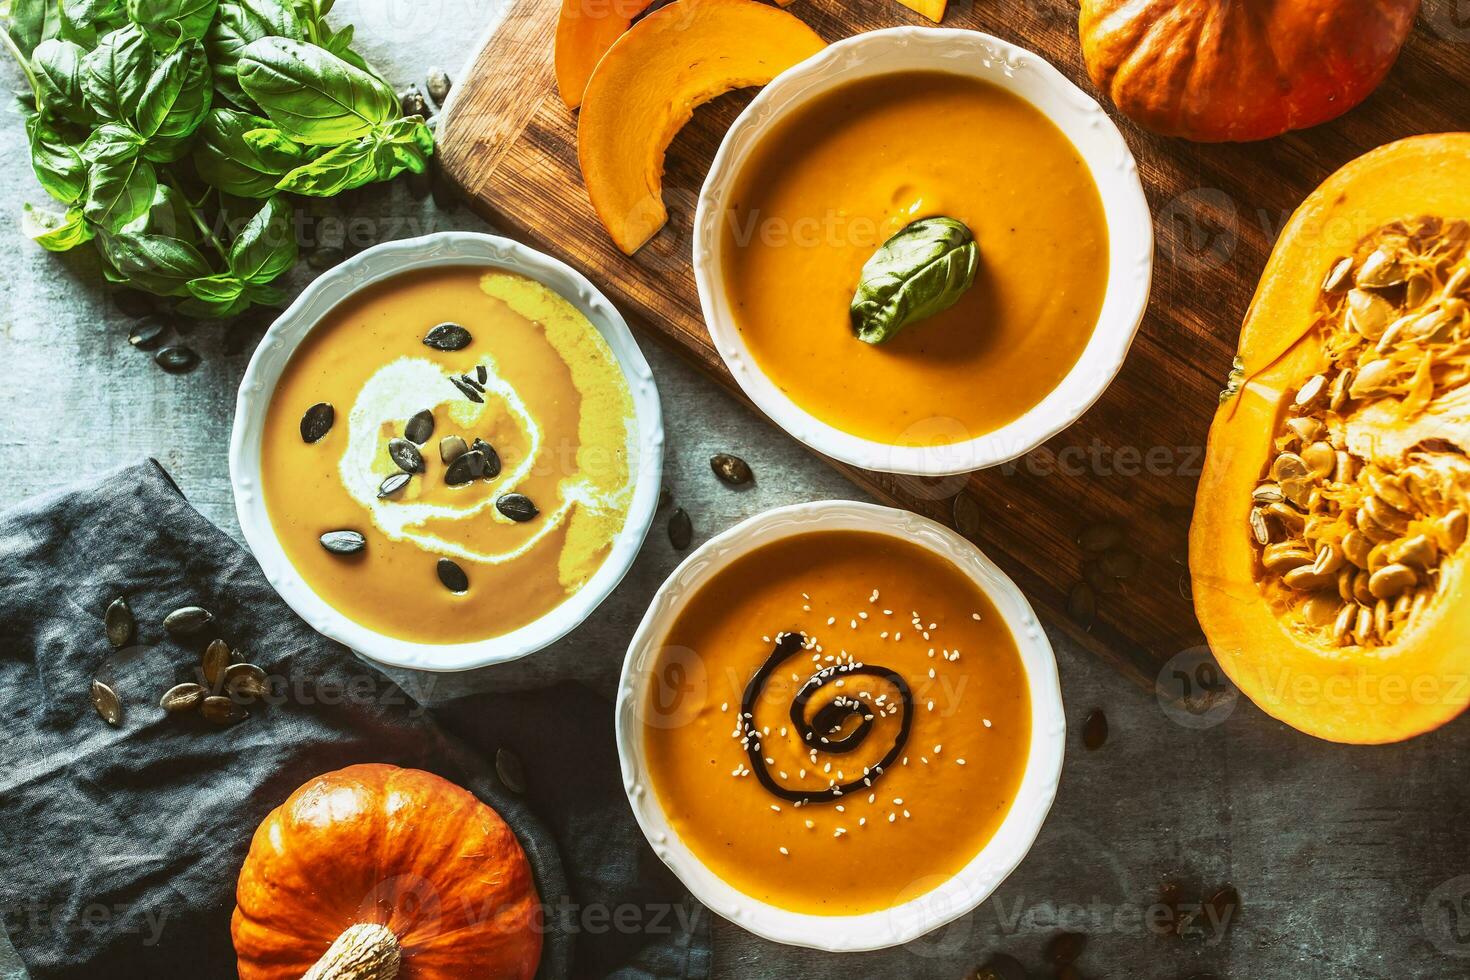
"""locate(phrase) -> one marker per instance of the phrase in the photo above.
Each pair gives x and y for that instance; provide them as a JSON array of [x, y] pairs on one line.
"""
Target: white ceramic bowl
[[930, 909], [381, 262], [1028, 75]]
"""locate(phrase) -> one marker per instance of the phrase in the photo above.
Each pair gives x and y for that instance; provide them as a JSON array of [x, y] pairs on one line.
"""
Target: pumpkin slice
[[648, 85], [584, 32], [933, 9], [1327, 552]]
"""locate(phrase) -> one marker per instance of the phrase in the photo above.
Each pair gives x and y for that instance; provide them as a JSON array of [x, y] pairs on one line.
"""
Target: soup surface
[[841, 176], [535, 382], [887, 650]]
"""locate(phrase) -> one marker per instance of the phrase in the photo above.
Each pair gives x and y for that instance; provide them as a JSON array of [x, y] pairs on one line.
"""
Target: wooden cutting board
[[509, 145]]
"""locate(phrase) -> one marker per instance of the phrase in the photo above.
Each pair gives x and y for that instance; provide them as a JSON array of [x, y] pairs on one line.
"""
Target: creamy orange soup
[[536, 383], [844, 173], [824, 620]]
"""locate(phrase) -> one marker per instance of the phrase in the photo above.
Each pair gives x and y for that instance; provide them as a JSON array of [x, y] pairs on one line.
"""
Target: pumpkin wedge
[[648, 85], [1327, 549], [933, 9], [585, 29]]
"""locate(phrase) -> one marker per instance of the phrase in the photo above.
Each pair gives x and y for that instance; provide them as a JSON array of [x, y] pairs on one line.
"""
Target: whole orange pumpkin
[[373, 872], [1239, 70]]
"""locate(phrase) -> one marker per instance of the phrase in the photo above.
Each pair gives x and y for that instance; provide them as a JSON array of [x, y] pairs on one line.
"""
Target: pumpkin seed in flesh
[[451, 448], [731, 470], [419, 428], [393, 483], [448, 337], [405, 455], [216, 661], [1337, 276], [106, 702], [512, 774], [492, 458], [181, 698], [317, 422], [343, 542], [681, 529], [453, 577], [518, 507], [1309, 393], [119, 623], [187, 620], [1259, 528], [466, 468], [1379, 271], [220, 710], [1390, 580], [245, 681]]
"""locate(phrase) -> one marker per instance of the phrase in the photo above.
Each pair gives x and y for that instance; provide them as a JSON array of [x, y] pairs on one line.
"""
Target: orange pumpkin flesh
[[401, 848], [1240, 70], [1389, 676], [933, 9], [585, 29], [648, 85]]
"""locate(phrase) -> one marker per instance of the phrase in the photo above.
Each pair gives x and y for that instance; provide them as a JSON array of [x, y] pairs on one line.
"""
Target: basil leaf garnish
[[921, 271]]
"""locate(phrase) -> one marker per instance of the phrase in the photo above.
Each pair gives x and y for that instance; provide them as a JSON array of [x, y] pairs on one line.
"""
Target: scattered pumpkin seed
[[681, 529], [405, 455], [451, 448], [317, 421], [343, 542], [448, 337], [182, 697], [245, 681], [1082, 604], [965, 510], [478, 386], [437, 84], [516, 506], [1094, 731], [148, 333], [731, 470], [481, 374], [492, 458], [187, 620], [510, 770], [393, 483], [468, 391], [119, 623], [1097, 538], [107, 703], [178, 359], [466, 468], [220, 710], [216, 661], [453, 577], [419, 428]]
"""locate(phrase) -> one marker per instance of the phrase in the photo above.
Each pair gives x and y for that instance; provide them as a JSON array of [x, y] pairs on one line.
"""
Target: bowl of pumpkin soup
[[447, 451], [840, 725], [923, 251]]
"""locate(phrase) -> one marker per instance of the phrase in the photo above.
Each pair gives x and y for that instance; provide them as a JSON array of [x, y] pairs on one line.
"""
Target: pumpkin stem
[[366, 951]]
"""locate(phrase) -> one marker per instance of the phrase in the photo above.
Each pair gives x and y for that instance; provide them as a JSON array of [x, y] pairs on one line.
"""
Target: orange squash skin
[[1240, 70], [399, 847], [1344, 694]]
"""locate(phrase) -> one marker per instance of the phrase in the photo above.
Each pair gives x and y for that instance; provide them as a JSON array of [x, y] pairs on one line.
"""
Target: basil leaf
[[405, 144], [225, 160], [168, 23], [237, 24], [58, 68], [177, 94], [114, 72], [214, 309], [266, 246], [160, 264], [314, 96], [81, 20], [120, 182], [31, 22], [59, 168], [919, 272], [55, 232], [222, 288], [167, 214]]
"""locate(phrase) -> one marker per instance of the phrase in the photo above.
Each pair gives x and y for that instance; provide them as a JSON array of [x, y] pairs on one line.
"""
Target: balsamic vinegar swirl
[[821, 731]]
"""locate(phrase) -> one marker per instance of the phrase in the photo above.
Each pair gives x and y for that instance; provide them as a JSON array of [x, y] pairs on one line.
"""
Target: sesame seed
[[959, 762], [831, 620], [862, 615], [892, 817], [811, 824], [839, 831], [975, 617], [783, 850], [776, 807], [987, 722], [905, 814]]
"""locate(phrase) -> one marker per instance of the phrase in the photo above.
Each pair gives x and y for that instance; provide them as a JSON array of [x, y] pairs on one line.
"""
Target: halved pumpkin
[[648, 85], [585, 29], [1327, 549]]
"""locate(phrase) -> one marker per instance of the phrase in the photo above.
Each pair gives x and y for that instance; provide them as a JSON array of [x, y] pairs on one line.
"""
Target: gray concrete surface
[[1349, 862]]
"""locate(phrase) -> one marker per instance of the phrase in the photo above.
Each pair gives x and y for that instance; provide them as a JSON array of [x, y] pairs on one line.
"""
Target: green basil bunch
[[922, 270], [171, 130]]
